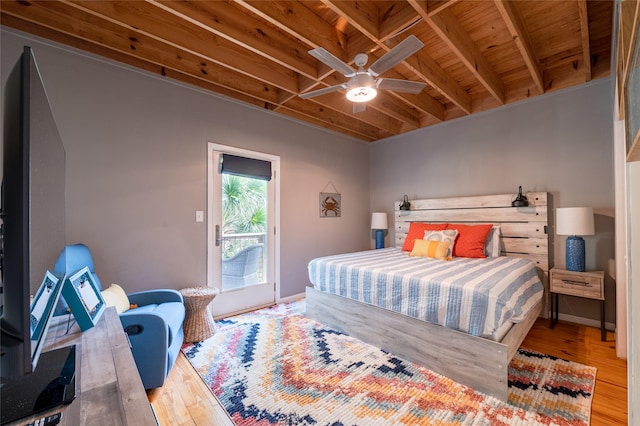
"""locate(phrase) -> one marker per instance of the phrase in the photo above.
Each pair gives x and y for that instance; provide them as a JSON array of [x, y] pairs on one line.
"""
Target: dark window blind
[[243, 166]]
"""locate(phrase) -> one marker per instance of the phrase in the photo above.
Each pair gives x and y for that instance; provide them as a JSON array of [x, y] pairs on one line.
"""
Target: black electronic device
[[33, 227], [52, 383], [51, 420]]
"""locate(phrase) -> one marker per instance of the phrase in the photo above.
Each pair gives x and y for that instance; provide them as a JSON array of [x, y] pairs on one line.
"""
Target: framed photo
[[330, 204], [84, 298], [43, 304]]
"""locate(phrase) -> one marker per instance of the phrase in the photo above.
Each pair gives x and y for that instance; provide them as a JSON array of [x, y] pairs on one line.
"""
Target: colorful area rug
[[277, 367]]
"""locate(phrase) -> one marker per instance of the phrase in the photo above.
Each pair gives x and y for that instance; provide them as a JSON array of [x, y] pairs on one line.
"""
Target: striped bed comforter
[[482, 297]]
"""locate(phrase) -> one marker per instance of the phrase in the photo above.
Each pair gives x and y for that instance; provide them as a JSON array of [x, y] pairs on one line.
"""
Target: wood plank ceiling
[[478, 54]]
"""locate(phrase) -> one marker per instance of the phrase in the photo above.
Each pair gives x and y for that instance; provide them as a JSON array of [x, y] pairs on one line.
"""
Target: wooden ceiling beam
[[419, 63], [584, 36], [134, 44], [516, 27], [168, 44], [264, 94], [422, 102], [320, 123], [395, 19], [434, 7], [429, 70], [399, 109], [371, 115], [365, 20], [366, 12], [231, 23], [298, 21], [337, 119], [451, 32], [256, 51], [361, 15]]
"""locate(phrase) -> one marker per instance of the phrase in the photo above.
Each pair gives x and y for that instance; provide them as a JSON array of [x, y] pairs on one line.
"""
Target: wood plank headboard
[[526, 231]]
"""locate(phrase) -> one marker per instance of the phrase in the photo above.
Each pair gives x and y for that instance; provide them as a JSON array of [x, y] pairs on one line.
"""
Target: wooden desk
[[108, 387]]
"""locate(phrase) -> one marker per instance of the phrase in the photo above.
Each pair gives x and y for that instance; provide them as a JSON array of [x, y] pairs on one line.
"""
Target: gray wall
[[136, 170], [559, 142]]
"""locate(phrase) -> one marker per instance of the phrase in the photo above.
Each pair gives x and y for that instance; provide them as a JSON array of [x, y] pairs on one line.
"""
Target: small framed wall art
[[330, 204]]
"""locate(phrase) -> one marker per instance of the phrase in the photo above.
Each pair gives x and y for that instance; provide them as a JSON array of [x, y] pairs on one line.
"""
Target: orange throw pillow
[[471, 239], [416, 232]]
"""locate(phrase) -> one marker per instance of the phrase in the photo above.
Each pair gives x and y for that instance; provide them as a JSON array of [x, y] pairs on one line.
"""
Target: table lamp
[[379, 224], [575, 221]]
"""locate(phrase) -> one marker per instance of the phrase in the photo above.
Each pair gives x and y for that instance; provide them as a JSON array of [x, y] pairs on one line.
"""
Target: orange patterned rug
[[277, 367]]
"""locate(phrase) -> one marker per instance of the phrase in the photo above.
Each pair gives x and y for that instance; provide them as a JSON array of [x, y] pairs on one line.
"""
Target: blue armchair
[[154, 327]]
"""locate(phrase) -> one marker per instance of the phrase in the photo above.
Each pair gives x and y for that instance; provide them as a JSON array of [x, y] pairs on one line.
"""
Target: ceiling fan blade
[[322, 91], [405, 48], [328, 59], [359, 107], [402, 86]]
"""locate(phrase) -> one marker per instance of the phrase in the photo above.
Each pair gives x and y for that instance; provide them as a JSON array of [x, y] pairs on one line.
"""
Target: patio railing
[[233, 243]]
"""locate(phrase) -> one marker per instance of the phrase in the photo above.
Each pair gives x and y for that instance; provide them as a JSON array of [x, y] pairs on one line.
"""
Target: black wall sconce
[[521, 199], [406, 205]]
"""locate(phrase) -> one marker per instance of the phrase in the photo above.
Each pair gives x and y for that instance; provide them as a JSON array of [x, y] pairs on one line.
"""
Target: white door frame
[[274, 233]]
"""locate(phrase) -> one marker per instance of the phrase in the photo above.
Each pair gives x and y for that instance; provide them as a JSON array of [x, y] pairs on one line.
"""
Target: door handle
[[217, 235]]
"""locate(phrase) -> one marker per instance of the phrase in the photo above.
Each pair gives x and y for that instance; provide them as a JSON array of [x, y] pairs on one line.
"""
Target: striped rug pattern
[[277, 367]]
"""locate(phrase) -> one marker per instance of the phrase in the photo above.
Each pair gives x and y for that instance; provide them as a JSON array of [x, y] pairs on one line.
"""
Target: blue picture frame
[[43, 303], [84, 298]]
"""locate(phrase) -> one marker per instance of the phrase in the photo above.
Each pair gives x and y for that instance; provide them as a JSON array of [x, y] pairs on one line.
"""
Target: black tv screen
[[33, 208]]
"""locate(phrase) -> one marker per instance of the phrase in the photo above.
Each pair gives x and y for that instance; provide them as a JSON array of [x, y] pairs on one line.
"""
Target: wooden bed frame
[[473, 361]]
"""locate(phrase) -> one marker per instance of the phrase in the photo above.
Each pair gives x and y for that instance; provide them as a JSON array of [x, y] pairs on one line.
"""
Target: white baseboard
[[293, 298]]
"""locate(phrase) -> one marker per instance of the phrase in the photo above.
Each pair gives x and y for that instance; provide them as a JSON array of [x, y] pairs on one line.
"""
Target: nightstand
[[588, 284]]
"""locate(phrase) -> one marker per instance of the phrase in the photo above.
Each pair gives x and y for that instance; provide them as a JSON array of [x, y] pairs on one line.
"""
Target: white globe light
[[361, 88]]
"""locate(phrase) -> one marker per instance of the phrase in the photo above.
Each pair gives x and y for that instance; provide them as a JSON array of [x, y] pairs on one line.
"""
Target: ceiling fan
[[363, 84]]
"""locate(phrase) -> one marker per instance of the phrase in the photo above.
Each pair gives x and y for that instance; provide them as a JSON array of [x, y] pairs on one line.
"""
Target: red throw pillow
[[471, 239], [416, 232]]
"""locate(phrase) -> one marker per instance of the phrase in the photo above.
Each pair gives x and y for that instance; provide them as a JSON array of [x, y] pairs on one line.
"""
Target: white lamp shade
[[379, 221], [575, 221]]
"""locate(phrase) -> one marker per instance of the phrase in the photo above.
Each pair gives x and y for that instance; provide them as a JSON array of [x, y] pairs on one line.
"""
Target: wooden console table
[[108, 387]]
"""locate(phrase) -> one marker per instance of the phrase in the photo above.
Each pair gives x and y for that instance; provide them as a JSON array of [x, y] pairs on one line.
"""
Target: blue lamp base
[[379, 238], [575, 254]]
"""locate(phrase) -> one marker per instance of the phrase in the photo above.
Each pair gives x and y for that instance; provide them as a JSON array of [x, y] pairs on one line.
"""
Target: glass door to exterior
[[242, 219]]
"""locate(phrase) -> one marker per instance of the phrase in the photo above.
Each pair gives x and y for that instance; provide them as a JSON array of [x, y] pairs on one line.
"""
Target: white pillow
[[446, 235], [492, 244], [115, 296]]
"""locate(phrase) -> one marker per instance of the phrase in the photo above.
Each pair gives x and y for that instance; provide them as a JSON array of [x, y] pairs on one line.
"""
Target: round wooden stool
[[198, 321]]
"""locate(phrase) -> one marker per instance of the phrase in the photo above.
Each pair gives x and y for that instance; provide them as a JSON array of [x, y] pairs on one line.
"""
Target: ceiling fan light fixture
[[361, 94], [361, 88]]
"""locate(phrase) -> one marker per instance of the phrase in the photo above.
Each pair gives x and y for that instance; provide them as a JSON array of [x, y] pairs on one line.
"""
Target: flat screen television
[[33, 233]]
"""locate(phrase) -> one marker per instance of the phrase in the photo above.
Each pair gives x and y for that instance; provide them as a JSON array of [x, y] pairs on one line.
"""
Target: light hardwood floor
[[185, 400], [582, 344]]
